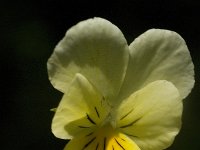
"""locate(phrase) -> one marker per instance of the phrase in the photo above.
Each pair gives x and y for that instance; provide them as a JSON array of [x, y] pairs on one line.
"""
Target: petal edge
[[159, 55]]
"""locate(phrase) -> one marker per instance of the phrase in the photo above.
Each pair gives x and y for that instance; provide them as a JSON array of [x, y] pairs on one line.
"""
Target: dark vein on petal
[[103, 99], [97, 112], [119, 144], [90, 134], [130, 124], [126, 114], [113, 147], [86, 145], [83, 127], [104, 144], [132, 135], [88, 117], [97, 146], [122, 139]]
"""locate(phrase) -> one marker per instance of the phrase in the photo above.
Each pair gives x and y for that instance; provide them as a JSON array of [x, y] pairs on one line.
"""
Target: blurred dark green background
[[29, 30]]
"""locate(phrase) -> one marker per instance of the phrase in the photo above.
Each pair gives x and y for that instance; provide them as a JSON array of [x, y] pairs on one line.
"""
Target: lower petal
[[106, 138], [121, 141]]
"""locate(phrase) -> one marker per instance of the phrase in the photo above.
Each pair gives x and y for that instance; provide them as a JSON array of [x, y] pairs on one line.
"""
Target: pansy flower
[[119, 96]]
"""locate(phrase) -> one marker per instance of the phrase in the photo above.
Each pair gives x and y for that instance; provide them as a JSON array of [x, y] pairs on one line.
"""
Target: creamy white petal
[[152, 115], [95, 48], [159, 55], [80, 111]]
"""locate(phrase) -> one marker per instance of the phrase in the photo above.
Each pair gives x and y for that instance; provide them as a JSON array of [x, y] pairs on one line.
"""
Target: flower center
[[101, 137], [106, 130]]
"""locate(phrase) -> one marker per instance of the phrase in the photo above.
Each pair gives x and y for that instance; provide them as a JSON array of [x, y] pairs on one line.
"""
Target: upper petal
[[95, 48], [152, 115], [159, 55]]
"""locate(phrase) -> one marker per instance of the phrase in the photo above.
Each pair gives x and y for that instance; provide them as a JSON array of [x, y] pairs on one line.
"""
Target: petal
[[103, 139], [95, 48], [152, 115], [121, 142], [81, 109], [159, 55], [82, 143]]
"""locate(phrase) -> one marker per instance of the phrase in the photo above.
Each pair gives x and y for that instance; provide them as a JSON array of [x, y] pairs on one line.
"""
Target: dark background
[[29, 30]]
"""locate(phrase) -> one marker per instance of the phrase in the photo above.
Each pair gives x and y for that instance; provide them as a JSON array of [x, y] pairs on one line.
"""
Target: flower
[[118, 96]]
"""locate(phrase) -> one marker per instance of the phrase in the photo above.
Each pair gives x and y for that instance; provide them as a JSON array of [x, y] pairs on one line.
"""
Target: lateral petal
[[80, 111], [152, 115]]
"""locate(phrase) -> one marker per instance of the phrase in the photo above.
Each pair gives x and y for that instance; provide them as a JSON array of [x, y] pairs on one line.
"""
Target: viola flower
[[118, 96]]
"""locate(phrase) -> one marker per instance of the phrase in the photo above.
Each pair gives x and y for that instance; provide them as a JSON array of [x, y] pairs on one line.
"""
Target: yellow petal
[[95, 48], [121, 142], [80, 111], [152, 115], [159, 55], [106, 138]]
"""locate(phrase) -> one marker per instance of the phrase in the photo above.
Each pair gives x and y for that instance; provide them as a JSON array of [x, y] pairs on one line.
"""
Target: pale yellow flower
[[119, 97]]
